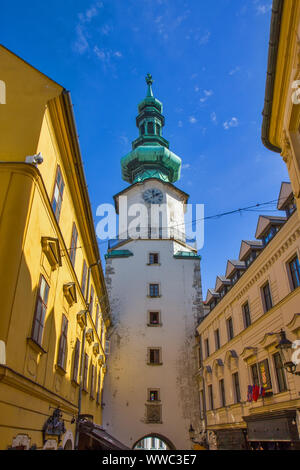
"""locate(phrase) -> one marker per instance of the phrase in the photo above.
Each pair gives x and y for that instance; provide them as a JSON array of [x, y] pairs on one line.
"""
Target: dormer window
[[251, 258], [273, 230], [235, 277], [290, 208]]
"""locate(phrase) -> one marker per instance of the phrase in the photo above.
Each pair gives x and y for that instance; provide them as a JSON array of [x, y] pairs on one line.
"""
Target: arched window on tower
[[150, 127], [157, 129], [142, 129]]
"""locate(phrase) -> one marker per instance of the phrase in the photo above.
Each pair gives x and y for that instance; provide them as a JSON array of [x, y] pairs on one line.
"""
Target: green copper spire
[[150, 156]]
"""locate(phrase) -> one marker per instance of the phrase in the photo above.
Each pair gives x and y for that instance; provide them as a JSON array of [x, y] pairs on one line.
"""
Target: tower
[[154, 284]]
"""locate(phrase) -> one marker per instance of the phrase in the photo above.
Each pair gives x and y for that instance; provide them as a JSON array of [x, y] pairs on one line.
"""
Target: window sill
[[75, 383], [153, 422], [85, 391], [153, 402], [153, 364], [36, 346], [153, 264], [60, 369], [155, 325], [154, 296]]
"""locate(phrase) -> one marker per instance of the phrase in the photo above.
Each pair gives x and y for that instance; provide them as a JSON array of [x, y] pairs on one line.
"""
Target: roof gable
[[285, 194], [247, 246], [265, 222]]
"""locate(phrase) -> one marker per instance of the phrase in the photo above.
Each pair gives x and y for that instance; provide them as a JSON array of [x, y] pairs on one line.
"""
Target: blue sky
[[208, 60]]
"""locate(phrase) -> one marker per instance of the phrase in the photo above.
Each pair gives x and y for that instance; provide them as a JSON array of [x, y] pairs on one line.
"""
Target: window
[[290, 209], [154, 318], [254, 373], [73, 244], [83, 278], [76, 361], [281, 382], [58, 193], [230, 329], [62, 350], [222, 393], [217, 339], [98, 388], [142, 129], [251, 258], [264, 374], [267, 299], [40, 311], [102, 332], [272, 232], [91, 304], [211, 397], [154, 290], [97, 318], [236, 385], [246, 313], [85, 372], [295, 272], [153, 395], [157, 129], [153, 258], [206, 343], [150, 127], [154, 356], [92, 393]]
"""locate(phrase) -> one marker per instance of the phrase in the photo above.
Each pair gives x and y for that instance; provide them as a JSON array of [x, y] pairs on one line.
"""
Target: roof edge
[[277, 9]]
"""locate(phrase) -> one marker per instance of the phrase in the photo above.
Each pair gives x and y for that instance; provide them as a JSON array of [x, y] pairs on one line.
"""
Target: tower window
[[154, 319], [142, 129], [154, 290], [150, 127], [153, 395], [153, 258], [154, 356], [157, 129]]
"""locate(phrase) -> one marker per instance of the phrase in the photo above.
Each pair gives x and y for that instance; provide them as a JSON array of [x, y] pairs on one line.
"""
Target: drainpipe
[[204, 391], [80, 380], [82, 353]]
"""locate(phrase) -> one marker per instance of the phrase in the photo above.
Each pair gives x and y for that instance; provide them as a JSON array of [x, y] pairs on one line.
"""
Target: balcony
[[154, 233]]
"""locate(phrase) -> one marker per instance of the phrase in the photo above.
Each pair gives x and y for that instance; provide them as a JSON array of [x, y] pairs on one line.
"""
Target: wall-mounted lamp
[[285, 348]]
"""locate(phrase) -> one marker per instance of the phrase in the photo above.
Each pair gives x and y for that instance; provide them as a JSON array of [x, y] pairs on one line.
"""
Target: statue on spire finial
[[149, 82], [149, 79]]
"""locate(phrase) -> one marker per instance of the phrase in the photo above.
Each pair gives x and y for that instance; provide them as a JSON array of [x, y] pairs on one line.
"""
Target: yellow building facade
[[249, 400], [281, 114], [54, 307]]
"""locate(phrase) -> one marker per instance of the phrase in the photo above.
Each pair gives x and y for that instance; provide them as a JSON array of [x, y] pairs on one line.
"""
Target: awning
[[273, 427], [106, 441]]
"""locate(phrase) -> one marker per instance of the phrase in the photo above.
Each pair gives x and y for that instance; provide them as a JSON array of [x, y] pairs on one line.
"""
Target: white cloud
[[235, 70], [213, 117], [186, 166], [192, 120], [233, 122], [205, 38], [262, 8], [207, 94], [81, 44], [100, 53], [180, 124]]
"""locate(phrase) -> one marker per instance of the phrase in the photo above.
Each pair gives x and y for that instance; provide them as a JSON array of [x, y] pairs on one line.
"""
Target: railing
[[154, 234]]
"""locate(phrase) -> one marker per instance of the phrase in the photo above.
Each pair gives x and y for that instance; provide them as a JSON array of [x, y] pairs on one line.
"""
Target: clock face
[[153, 196]]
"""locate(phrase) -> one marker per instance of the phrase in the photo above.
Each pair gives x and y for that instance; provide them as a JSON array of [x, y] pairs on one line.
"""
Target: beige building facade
[[248, 399]]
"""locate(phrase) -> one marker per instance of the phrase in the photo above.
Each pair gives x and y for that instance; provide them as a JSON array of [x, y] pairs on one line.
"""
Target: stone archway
[[169, 444]]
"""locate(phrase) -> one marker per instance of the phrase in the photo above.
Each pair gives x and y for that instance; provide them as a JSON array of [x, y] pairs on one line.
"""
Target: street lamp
[[285, 348]]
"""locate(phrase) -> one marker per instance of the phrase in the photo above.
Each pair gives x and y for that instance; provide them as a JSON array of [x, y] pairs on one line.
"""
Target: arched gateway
[[153, 442]]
